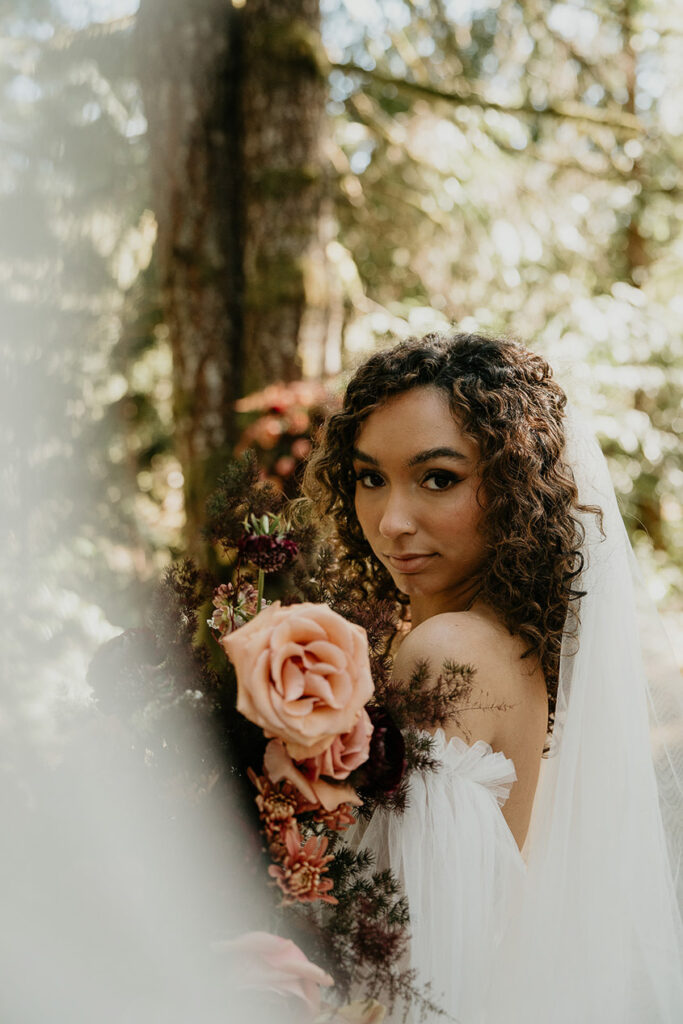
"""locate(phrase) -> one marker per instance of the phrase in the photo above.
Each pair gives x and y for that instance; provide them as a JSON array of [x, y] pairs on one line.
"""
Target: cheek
[[462, 519], [360, 505]]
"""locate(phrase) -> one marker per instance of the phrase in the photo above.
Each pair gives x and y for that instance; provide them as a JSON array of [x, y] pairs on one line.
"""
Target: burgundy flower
[[386, 763], [268, 552]]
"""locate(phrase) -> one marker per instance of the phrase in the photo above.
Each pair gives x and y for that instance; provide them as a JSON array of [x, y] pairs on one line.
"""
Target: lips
[[409, 563]]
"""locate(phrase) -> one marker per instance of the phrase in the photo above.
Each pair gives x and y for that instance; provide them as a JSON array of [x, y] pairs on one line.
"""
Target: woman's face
[[416, 499]]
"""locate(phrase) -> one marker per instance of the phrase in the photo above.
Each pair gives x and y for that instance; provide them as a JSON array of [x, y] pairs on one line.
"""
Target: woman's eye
[[439, 480], [369, 479]]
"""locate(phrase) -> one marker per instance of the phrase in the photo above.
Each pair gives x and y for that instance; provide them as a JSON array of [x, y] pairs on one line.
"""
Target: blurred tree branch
[[573, 111]]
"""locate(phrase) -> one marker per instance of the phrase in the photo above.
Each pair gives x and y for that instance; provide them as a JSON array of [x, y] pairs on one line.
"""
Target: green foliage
[[238, 493]]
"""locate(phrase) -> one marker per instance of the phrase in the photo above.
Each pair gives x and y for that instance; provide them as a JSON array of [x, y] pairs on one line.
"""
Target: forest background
[[203, 200]]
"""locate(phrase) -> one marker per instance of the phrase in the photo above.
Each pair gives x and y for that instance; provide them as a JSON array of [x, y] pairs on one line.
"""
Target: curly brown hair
[[504, 398]]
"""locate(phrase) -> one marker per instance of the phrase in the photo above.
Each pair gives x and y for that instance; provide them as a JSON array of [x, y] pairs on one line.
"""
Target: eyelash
[[451, 478]]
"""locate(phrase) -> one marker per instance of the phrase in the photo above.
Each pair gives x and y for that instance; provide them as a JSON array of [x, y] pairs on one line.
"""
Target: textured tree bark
[[287, 315], [189, 66], [235, 103]]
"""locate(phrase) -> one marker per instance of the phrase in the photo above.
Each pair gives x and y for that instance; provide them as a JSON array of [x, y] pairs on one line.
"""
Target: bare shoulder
[[508, 692], [451, 629], [507, 705]]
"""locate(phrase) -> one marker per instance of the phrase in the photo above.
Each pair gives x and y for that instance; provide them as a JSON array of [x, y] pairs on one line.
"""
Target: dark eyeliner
[[446, 474]]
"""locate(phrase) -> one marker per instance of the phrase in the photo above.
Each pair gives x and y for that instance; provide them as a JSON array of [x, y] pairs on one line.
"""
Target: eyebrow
[[416, 460]]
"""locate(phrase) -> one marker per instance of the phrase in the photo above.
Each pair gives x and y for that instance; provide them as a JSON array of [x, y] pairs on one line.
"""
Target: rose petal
[[278, 765], [301, 629], [319, 687], [331, 796], [293, 681], [344, 754], [327, 652]]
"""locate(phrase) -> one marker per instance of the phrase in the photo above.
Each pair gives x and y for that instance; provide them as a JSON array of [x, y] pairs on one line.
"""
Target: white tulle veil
[[597, 935]]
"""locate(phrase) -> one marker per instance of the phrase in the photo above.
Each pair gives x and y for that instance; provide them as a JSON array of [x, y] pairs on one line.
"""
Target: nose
[[396, 520]]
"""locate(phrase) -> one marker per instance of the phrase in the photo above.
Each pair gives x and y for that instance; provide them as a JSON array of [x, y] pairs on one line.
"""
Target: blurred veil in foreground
[[114, 892]]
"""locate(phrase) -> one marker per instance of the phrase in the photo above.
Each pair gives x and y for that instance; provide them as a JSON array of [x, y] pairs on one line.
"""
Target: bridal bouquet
[[304, 677]]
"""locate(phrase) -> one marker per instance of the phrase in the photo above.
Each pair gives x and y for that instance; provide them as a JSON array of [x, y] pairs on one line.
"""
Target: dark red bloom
[[386, 764], [267, 551]]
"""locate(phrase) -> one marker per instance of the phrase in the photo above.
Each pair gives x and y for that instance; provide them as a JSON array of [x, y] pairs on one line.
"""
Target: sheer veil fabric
[[586, 927], [597, 935]]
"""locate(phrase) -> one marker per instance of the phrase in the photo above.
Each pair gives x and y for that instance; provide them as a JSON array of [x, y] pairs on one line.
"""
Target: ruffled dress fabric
[[461, 871]]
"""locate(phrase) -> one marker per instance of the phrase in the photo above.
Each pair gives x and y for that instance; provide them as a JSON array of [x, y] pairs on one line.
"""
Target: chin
[[410, 586]]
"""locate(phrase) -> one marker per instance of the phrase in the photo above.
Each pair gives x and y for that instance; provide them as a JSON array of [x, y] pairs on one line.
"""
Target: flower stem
[[259, 597]]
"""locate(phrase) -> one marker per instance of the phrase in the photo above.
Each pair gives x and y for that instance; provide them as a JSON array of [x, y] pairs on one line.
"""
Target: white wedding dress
[[585, 926], [460, 868]]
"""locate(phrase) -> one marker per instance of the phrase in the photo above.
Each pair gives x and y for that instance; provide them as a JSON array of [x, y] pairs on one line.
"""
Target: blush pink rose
[[303, 674], [264, 961], [278, 765], [344, 754]]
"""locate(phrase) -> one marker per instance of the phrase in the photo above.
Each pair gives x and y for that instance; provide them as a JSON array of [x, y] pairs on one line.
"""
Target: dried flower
[[280, 800], [337, 820], [268, 553], [233, 607], [278, 804], [301, 876]]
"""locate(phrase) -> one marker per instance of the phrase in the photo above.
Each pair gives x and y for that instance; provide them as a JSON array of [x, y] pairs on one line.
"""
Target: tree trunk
[[286, 315], [188, 56], [235, 102]]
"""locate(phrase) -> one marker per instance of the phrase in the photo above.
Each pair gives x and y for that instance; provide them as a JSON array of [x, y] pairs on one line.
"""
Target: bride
[[541, 859]]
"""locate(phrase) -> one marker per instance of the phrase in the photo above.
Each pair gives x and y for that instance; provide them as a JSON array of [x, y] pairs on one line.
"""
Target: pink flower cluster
[[303, 676]]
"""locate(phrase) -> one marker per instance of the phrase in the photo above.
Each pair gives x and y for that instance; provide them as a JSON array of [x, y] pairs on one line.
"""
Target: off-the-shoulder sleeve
[[460, 868]]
